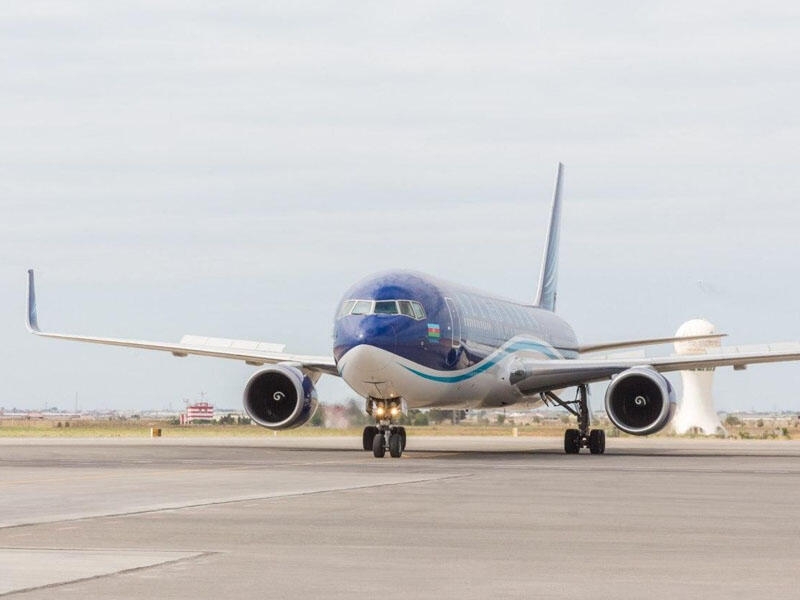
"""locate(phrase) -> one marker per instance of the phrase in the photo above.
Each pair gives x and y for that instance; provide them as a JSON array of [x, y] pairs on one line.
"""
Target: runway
[[456, 517]]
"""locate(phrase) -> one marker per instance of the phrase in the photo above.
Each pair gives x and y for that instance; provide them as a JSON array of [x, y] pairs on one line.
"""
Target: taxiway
[[297, 517]]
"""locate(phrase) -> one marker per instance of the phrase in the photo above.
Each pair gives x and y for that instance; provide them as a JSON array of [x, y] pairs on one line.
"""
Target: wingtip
[[31, 320]]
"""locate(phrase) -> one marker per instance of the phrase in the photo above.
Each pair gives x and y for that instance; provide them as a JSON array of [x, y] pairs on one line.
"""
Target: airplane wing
[[253, 353], [535, 376], [587, 348]]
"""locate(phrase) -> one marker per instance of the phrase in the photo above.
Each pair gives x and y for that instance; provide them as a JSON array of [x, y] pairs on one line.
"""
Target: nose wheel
[[385, 438], [370, 431], [379, 445]]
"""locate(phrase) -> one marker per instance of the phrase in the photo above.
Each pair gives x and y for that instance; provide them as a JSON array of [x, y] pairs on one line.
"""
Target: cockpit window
[[405, 308], [408, 308], [347, 306], [362, 307], [385, 307], [419, 312]]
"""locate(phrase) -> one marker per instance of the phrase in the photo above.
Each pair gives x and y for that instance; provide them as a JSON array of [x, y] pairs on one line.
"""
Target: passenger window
[[362, 307], [346, 308], [405, 308], [419, 312], [385, 307]]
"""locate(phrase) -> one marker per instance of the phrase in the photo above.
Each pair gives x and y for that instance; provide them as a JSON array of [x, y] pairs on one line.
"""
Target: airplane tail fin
[[548, 278]]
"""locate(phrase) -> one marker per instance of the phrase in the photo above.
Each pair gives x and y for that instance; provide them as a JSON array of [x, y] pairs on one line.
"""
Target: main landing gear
[[583, 437], [384, 436]]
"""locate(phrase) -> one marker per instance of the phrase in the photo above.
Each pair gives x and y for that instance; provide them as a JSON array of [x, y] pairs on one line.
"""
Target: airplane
[[407, 340]]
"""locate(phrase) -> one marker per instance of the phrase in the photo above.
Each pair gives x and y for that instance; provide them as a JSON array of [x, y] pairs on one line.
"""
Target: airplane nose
[[364, 364], [371, 330]]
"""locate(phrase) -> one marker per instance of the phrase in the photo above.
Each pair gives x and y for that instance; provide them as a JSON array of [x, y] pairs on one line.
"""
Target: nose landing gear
[[385, 435], [383, 438]]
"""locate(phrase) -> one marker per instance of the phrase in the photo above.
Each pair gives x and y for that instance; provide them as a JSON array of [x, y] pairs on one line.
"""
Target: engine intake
[[280, 397], [640, 401]]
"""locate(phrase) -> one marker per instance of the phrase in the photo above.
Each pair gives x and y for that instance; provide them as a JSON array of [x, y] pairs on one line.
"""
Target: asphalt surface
[[282, 517]]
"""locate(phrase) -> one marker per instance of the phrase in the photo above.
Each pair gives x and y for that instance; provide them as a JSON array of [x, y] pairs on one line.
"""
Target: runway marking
[[199, 468], [598, 468], [195, 555], [247, 498], [607, 464]]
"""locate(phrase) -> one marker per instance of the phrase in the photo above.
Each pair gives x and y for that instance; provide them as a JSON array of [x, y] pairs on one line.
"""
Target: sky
[[175, 167]]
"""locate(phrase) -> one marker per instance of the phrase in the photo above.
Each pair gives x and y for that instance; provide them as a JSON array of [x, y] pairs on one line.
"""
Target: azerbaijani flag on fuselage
[[434, 333]]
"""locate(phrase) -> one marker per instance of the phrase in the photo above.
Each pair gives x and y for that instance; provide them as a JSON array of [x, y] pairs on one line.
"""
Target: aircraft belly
[[373, 372]]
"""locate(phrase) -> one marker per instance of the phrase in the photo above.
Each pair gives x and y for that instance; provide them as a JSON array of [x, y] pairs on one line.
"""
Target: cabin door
[[454, 332]]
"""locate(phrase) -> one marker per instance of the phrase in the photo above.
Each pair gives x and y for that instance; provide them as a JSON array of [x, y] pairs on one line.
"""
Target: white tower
[[696, 408]]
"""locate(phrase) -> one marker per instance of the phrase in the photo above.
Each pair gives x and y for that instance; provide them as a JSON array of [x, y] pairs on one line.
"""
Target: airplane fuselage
[[457, 352]]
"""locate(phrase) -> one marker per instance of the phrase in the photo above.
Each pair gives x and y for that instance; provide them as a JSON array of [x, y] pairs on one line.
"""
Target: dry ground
[[132, 428]]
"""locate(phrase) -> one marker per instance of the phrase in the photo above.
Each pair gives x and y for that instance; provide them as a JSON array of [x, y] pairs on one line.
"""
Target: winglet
[[31, 321], [548, 278]]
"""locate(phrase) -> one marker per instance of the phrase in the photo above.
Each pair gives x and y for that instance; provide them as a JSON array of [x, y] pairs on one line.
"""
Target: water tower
[[696, 407]]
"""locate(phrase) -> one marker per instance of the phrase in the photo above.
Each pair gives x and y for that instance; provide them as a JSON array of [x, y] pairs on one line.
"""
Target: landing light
[[379, 411], [394, 411]]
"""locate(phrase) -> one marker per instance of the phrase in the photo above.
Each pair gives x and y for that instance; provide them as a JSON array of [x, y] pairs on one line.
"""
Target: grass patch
[[119, 428], [141, 429]]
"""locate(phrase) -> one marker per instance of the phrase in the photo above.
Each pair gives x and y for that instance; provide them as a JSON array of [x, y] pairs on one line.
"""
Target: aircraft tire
[[402, 432], [396, 445], [572, 439], [370, 431], [597, 441], [379, 446]]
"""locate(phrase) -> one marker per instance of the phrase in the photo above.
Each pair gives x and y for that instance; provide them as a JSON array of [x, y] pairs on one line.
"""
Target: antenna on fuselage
[[548, 278]]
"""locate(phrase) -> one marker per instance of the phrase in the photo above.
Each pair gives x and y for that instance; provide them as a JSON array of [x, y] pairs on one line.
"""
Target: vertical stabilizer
[[548, 278]]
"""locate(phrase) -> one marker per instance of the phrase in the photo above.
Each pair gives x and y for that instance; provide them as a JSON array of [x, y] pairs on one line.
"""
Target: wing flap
[[212, 342], [734, 356], [587, 348]]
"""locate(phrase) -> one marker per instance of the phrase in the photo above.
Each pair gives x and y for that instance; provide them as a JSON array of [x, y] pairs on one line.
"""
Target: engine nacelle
[[280, 397], [640, 401]]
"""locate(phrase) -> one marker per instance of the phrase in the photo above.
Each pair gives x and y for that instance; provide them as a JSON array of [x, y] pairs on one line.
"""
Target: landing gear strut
[[583, 437], [385, 435]]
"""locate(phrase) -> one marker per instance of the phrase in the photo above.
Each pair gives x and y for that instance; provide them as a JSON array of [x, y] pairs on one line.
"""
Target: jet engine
[[280, 397], [640, 401]]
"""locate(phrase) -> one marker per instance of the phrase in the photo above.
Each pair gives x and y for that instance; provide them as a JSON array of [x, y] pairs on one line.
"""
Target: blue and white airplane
[[407, 340]]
